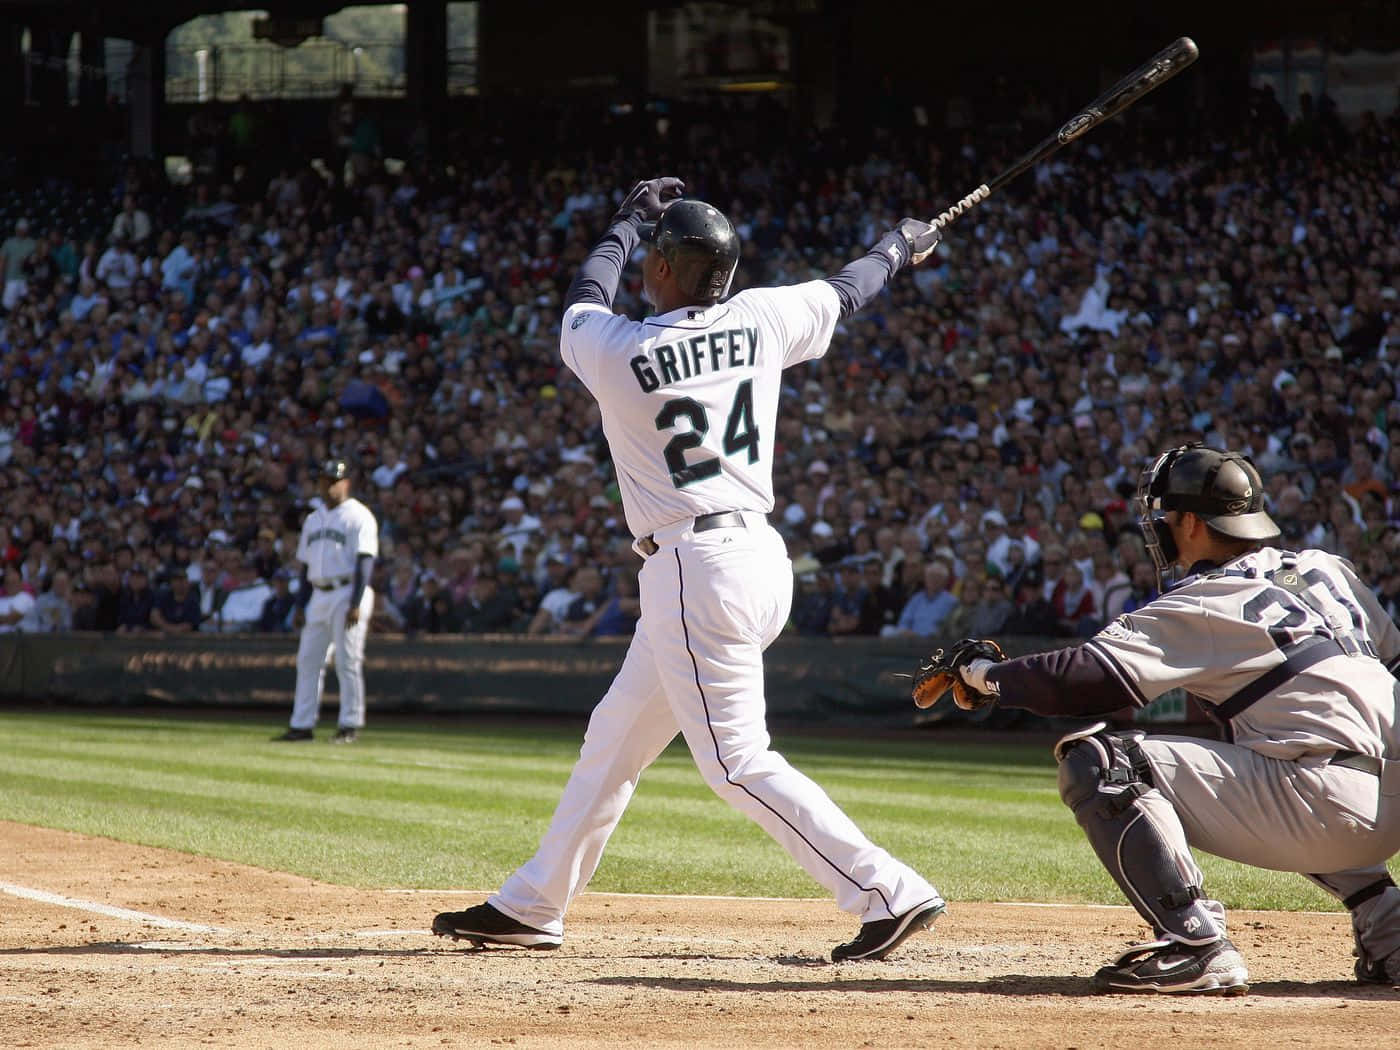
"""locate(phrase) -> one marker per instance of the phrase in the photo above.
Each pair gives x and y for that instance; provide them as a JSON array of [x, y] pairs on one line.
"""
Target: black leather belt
[[1356, 760], [332, 585], [722, 519]]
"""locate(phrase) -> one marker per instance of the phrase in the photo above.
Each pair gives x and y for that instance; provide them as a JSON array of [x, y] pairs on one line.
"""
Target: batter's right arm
[[911, 242]]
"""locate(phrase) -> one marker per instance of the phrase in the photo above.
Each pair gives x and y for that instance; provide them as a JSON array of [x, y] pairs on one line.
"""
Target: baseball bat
[[1164, 65]]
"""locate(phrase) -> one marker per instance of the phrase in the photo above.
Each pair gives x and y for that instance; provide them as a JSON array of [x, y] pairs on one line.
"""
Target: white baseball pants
[[325, 626], [711, 603]]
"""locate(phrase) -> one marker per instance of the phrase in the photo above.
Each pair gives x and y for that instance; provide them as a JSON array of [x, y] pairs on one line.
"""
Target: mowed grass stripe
[[463, 805], [306, 782]]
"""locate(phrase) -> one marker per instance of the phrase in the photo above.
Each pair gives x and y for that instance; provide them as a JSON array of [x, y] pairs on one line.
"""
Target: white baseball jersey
[[1289, 649], [689, 399], [333, 538]]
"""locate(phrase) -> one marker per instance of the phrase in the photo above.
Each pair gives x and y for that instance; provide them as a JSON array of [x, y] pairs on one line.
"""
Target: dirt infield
[[225, 955]]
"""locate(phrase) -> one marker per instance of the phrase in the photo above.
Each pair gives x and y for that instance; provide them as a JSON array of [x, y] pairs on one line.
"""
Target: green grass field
[[459, 805]]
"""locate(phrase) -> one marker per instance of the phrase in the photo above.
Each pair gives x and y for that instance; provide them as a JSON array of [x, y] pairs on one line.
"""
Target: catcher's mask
[[700, 245], [1221, 488]]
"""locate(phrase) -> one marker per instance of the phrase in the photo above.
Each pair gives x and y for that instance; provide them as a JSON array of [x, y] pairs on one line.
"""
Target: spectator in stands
[[1073, 602], [587, 585], [489, 608], [982, 608], [118, 269], [135, 601], [1032, 613], [813, 602], [554, 606], [924, 614], [53, 608], [1144, 588], [925, 415], [857, 609], [280, 606], [132, 224], [240, 595], [17, 605], [177, 608], [14, 252]]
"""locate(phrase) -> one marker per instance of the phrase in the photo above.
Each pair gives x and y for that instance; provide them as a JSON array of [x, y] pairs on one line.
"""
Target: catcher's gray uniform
[[1293, 656]]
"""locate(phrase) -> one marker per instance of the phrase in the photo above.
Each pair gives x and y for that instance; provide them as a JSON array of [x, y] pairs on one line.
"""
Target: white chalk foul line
[[44, 897]]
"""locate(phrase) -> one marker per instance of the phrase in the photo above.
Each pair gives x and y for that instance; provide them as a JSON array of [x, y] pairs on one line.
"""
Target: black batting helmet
[[1221, 488], [334, 470], [700, 245]]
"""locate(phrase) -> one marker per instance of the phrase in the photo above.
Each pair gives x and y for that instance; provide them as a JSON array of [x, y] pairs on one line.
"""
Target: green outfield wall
[[813, 681]]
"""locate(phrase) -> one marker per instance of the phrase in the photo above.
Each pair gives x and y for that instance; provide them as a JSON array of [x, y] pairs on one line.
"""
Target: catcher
[[1292, 656]]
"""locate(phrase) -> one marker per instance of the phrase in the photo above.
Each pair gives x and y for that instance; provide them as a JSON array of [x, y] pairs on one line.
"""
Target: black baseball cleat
[[345, 735], [295, 734], [1379, 971], [483, 925], [1172, 968], [877, 939]]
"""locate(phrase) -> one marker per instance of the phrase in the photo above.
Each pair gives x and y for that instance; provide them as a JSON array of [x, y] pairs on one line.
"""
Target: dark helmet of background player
[[334, 470], [699, 244], [1221, 488]]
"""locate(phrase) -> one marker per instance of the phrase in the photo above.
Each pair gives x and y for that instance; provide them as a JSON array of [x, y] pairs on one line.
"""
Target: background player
[[689, 401], [338, 545], [1288, 652]]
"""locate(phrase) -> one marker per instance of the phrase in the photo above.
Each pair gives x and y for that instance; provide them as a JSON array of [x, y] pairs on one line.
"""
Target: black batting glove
[[648, 199], [920, 238]]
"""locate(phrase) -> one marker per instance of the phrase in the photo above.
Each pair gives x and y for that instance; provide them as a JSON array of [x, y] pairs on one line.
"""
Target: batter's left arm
[[597, 279]]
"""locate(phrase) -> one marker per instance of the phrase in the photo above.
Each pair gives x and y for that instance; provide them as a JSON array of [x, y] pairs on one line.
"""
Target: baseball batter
[[689, 402], [339, 542], [1292, 655]]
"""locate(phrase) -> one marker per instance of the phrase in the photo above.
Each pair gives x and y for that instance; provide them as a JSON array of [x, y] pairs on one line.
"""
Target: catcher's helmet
[[1222, 488], [700, 245], [334, 470]]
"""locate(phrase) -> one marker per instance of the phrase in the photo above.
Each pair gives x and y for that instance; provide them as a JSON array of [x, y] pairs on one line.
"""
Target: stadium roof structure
[[1262, 19]]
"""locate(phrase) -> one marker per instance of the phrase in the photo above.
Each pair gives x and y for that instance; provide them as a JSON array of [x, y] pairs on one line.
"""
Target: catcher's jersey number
[[740, 434], [1292, 608]]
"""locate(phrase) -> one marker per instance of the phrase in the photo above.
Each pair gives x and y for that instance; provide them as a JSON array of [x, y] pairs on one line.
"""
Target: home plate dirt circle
[[105, 944]]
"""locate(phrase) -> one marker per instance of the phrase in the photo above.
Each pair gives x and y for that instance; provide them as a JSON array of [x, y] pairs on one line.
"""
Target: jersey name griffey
[[332, 539], [1217, 633], [689, 399]]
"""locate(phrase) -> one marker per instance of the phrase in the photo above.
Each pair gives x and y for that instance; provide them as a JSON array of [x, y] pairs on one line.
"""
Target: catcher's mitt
[[943, 671]]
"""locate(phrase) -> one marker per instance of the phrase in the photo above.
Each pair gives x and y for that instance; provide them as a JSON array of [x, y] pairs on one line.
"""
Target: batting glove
[[649, 198]]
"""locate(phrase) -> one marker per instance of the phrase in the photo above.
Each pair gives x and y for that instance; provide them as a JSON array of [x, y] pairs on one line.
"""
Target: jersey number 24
[[740, 433]]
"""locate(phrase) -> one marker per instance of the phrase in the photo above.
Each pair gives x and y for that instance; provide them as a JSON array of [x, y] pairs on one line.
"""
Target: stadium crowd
[[961, 462]]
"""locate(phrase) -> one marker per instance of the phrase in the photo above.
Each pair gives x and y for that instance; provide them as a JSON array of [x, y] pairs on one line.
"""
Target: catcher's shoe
[[1379, 971], [294, 735], [1174, 968], [483, 925], [877, 939]]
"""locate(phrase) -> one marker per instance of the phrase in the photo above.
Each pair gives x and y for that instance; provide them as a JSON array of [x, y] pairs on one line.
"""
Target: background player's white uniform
[[689, 401], [331, 541]]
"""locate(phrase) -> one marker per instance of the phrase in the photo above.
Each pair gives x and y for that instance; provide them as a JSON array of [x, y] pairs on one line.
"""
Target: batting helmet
[[1221, 488], [334, 470], [700, 245]]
